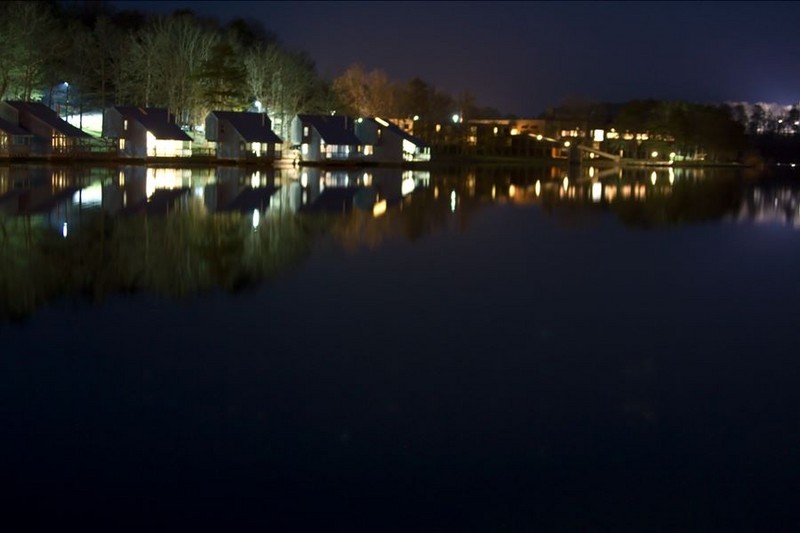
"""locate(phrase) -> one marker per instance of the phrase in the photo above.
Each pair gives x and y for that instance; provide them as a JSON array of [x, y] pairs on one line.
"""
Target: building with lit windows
[[240, 136], [145, 133], [325, 139], [50, 135], [385, 142]]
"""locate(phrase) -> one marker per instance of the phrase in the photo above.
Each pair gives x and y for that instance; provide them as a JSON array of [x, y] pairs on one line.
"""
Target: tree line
[[190, 65], [683, 127]]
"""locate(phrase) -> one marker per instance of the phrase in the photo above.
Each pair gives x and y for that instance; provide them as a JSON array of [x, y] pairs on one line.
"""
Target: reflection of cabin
[[50, 134], [384, 142], [145, 132], [14, 141], [325, 138], [243, 136]]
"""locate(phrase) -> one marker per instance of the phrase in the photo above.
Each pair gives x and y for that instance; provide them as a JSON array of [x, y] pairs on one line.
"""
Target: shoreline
[[435, 162]]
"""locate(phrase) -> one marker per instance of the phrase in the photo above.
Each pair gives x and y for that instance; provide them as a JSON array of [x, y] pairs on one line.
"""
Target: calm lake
[[472, 349]]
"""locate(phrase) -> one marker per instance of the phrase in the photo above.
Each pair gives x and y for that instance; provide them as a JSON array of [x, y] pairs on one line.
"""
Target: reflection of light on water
[[452, 201], [671, 176], [256, 218], [565, 183], [653, 177], [255, 179], [379, 208], [597, 191], [471, 184], [610, 192], [780, 206], [511, 191], [166, 178], [407, 186], [591, 171], [304, 179], [494, 192], [64, 230], [90, 196], [538, 188]]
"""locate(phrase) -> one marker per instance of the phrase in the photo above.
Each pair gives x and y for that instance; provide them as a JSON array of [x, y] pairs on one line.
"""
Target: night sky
[[523, 57]]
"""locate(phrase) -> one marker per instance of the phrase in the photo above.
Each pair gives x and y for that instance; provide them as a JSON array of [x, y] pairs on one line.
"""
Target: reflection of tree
[[361, 229], [178, 255], [687, 201], [191, 250], [424, 211]]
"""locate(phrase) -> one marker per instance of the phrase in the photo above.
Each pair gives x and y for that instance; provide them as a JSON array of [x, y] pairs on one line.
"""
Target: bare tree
[[166, 56], [31, 40], [285, 83], [366, 94]]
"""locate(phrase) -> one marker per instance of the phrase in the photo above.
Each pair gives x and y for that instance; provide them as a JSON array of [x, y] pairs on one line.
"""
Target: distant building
[[325, 139], [51, 136], [145, 132], [243, 136], [385, 142]]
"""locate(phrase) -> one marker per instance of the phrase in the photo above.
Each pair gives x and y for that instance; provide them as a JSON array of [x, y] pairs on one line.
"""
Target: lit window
[[125, 125]]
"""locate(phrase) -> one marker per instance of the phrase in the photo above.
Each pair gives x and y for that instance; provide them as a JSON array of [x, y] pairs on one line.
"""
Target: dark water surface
[[476, 358]]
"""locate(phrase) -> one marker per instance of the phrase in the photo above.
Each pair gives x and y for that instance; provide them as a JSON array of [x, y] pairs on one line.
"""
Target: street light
[[66, 100]]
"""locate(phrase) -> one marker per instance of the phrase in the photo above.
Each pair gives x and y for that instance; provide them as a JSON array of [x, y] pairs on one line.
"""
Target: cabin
[[50, 134], [241, 136], [14, 140], [385, 142], [145, 133], [326, 139]]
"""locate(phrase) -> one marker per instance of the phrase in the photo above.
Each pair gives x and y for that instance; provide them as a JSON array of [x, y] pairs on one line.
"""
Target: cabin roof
[[334, 129], [49, 117], [394, 128], [253, 127], [158, 121], [12, 129]]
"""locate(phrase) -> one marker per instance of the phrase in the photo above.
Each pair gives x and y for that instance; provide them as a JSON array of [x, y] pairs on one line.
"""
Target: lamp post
[[66, 101]]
